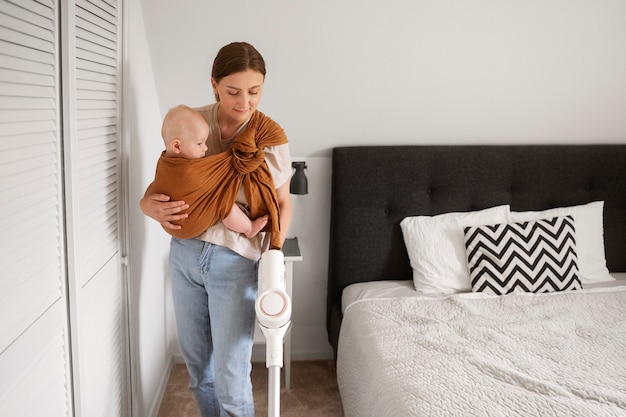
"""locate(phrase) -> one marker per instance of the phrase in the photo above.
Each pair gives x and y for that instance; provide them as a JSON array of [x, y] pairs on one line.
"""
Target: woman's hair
[[236, 57]]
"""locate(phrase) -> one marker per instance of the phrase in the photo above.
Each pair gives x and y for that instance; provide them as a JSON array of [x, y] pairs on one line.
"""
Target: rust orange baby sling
[[210, 185]]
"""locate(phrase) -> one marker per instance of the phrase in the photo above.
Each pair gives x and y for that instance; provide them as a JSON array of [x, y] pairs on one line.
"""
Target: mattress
[[556, 354]]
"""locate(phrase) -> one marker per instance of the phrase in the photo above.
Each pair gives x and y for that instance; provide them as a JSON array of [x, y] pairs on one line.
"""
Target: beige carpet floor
[[313, 392]]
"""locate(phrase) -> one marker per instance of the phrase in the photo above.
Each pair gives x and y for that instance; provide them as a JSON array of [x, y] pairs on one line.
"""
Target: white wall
[[399, 72], [148, 242]]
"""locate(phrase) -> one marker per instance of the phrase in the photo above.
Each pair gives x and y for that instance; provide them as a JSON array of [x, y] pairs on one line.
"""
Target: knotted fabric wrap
[[210, 185]]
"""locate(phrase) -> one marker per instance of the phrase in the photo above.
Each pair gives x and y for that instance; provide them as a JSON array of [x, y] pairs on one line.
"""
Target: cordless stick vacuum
[[273, 312]]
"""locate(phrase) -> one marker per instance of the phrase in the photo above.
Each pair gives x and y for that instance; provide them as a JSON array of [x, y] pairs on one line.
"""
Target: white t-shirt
[[278, 160]]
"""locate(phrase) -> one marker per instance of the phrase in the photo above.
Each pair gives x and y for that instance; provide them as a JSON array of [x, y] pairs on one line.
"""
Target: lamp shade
[[299, 183]]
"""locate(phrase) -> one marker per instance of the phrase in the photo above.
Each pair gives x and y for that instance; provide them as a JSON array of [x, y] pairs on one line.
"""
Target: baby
[[184, 133]]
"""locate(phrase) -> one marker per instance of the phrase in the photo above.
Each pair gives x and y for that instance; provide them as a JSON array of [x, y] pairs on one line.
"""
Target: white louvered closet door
[[34, 338], [63, 333], [92, 149]]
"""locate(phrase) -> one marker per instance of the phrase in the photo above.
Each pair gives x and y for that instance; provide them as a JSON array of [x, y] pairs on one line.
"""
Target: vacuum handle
[[273, 305]]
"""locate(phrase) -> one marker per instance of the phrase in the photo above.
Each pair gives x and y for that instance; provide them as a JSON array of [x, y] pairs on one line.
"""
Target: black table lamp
[[299, 183]]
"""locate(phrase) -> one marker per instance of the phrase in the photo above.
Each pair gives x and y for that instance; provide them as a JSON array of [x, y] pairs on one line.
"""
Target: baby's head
[[184, 133]]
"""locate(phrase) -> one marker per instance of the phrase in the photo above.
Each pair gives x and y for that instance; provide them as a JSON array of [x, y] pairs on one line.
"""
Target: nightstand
[[291, 250]]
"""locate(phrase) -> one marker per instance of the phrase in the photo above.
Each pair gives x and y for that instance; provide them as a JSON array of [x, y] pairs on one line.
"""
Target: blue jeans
[[214, 291]]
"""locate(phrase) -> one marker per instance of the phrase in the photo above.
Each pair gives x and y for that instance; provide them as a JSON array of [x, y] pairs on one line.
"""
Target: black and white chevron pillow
[[535, 256]]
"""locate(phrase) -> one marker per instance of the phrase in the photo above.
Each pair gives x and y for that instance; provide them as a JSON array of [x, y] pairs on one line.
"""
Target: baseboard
[[258, 354], [156, 404], [304, 355]]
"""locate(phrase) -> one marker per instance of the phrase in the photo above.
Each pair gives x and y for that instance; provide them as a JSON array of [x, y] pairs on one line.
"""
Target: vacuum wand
[[273, 312]]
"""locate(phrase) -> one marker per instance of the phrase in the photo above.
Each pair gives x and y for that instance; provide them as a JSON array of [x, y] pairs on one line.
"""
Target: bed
[[420, 321]]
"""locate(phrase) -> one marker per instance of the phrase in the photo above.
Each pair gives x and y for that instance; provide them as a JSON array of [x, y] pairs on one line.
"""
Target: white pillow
[[588, 221], [437, 251]]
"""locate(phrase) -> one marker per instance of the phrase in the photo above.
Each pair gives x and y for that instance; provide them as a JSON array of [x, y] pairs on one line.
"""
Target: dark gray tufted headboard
[[375, 187]]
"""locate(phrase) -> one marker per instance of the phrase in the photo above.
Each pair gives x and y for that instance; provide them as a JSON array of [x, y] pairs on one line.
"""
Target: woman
[[214, 276]]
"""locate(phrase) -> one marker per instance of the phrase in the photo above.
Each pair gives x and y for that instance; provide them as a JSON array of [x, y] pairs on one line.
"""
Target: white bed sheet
[[557, 354], [405, 288]]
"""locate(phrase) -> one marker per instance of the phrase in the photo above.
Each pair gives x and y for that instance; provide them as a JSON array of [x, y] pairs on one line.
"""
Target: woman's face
[[240, 94]]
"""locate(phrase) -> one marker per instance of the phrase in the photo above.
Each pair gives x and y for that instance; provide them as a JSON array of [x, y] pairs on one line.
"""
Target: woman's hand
[[164, 211]]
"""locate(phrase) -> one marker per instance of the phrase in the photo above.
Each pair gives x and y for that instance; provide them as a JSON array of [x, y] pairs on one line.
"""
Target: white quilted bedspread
[[560, 354]]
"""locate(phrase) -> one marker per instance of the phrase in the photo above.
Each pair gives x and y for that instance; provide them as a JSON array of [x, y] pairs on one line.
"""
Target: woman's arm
[[284, 207], [160, 208]]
